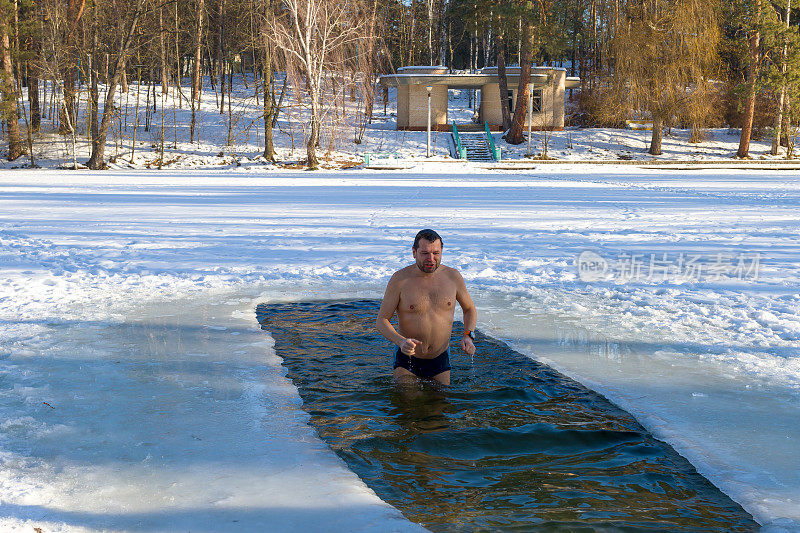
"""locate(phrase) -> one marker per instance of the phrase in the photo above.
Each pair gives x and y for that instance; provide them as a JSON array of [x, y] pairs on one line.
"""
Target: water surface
[[512, 445]]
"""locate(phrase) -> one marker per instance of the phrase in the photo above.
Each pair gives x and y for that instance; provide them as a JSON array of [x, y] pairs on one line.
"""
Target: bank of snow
[[147, 138]]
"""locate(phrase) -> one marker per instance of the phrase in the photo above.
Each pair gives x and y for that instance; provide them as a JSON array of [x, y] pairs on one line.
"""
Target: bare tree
[[96, 160], [267, 14], [310, 33], [197, 71], [220, 59], [93, 75], [70, 64], [162, 51], [366, 65], [664, 54]]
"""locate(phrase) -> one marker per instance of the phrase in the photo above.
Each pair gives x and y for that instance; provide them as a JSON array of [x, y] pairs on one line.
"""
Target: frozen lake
[[136, 389]]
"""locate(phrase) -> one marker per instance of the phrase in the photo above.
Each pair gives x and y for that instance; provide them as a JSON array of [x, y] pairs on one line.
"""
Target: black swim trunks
[[424, 368]]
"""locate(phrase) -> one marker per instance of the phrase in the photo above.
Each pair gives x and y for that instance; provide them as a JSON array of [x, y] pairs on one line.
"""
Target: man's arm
[[391, 299], [470, 313]]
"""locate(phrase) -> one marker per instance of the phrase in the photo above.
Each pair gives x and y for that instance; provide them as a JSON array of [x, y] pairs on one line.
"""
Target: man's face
[[428, 255]]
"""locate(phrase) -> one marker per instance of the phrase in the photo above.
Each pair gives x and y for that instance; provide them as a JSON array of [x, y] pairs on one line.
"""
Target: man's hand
[[409, 345], [467, 345]]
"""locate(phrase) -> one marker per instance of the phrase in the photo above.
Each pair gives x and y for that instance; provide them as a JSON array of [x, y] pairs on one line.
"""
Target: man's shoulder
[[451, 272], [403, 273]]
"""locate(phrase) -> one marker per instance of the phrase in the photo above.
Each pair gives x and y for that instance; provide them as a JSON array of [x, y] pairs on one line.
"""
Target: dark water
[[512, 445]]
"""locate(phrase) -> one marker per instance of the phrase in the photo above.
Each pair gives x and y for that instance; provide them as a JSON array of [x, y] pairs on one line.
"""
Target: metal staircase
[[474, 146]]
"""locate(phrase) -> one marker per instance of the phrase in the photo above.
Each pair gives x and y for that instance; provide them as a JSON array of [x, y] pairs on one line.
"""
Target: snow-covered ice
[[167, 421], [136, 390]]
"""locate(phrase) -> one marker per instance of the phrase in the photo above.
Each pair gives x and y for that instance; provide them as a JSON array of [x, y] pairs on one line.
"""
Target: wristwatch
[[470, 334]]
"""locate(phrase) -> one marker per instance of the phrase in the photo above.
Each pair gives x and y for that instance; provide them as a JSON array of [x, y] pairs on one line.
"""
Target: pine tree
[[8, 84], [784, 70], [542, 38], [753, 66]]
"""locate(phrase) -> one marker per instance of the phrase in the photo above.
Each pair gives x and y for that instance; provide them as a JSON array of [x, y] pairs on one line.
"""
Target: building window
[[537, 101]]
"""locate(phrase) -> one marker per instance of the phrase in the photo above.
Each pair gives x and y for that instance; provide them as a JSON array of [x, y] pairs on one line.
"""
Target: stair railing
[[495, 149], [462, 152]]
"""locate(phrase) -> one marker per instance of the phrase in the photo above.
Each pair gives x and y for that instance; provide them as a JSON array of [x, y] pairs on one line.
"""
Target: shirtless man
[[424, 296]]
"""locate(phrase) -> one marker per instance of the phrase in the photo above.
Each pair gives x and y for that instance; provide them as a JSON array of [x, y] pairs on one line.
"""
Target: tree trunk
[[313, 138], [221, 55], [34, 72], [371, 66], [658, 135], [9, 94], [33, 98], [488, 39], [411, 35], [430, 31], [69, 72], [123, 79], [501, 74], [515, 136], [269, 105], [198, 51], [93, 75], [747, 126], [197, 71], [593, 66], [162, 50], [96, 161], [776, 139]]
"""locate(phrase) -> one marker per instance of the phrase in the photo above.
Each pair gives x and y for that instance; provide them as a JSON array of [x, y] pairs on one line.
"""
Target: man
[[424, 296]]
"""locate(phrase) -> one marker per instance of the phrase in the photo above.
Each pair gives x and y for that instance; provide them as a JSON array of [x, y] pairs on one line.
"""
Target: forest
[[693, 64]]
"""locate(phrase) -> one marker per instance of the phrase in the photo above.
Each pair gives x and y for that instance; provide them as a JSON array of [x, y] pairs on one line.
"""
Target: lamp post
[[530, 117], [428, 144]]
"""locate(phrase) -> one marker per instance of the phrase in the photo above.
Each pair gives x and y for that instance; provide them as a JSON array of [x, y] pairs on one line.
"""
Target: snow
[[138, 393], [166, 420], [137, 390], [215, 148]]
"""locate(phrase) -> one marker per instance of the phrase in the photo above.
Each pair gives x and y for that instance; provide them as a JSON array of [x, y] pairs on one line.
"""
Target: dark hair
[[428, 235]]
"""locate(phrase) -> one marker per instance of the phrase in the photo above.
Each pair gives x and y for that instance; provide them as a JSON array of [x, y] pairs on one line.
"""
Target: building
[[549, 85]]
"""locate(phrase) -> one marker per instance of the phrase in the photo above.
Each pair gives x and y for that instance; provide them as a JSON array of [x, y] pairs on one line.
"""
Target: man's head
[[427, 250]]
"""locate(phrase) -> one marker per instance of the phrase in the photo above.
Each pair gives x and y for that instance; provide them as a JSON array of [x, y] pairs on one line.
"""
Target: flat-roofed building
[[548, 84]]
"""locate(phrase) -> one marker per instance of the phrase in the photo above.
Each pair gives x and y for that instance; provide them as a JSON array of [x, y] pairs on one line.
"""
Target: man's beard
[[423, 268]]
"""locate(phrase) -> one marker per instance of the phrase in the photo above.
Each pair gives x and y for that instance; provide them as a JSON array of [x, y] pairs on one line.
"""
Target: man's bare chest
[[425, 299]]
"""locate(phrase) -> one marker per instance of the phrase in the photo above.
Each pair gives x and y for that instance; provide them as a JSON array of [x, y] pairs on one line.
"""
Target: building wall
[[490, 110], [418, 106], [402, 107], [559, 98], [552, 114]]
